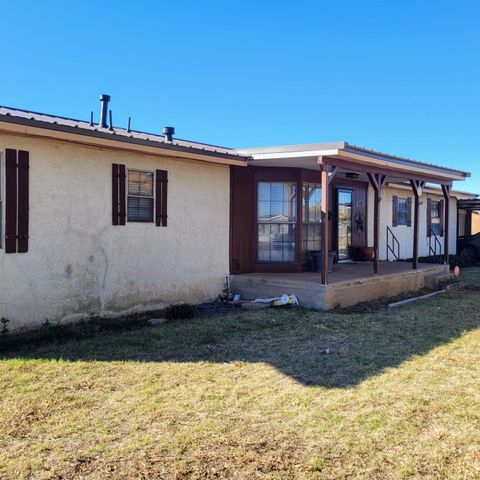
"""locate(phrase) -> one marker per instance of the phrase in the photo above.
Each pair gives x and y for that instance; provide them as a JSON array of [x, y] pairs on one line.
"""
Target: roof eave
[[35, 128], [403, 161]]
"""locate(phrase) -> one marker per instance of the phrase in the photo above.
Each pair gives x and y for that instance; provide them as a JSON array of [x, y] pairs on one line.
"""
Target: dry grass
[[253, 396]]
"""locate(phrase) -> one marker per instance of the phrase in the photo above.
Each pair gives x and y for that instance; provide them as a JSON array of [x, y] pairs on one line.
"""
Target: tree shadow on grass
[[315, 348]]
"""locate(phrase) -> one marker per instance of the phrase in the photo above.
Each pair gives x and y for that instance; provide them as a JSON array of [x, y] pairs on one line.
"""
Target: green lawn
[[253, 395]]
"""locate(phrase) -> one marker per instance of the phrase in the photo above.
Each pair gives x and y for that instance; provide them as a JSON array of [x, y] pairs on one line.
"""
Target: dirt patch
[[380, 304], [214, 308]]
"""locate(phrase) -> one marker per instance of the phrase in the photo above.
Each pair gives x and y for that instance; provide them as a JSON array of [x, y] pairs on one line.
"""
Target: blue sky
[[400, 77]]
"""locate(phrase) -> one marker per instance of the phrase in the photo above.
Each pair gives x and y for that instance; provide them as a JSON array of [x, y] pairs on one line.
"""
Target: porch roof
[[350, 158], [469, 204]]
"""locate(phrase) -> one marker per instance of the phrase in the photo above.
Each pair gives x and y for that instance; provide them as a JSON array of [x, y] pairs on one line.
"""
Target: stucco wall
[[403, 233], [78, 264]]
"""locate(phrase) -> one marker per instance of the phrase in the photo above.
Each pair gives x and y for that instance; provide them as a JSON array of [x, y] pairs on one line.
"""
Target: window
[[140, 196], [435, 210], [312, 198], [436, 221], [276, 217], [402, 211]]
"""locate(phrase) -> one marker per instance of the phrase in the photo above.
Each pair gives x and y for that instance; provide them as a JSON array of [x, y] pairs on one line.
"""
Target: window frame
[[402, 222], [152, 197], [436, 222], [306, 224], [437, 209], [258, 222]]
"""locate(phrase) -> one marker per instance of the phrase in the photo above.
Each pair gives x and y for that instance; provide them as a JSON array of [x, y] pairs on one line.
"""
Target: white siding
[[403, 233]]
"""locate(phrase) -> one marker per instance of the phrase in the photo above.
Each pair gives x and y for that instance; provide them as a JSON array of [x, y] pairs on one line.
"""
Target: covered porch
[[349, 283], [341, 175]]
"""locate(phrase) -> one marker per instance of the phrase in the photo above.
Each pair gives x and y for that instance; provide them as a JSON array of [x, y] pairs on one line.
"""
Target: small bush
[[181, 311]]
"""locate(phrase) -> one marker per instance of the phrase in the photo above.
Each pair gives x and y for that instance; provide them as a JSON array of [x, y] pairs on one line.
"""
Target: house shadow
[[323, 349]]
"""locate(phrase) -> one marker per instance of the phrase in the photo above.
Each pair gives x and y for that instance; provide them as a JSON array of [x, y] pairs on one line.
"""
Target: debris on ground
[[281, 301], [414, 299]]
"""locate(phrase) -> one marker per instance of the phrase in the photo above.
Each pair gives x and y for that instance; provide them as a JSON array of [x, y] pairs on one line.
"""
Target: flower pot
[[318, 260], [367, 253]]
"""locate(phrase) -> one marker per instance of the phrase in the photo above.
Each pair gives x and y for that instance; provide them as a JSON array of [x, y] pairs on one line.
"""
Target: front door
[[344, 201]]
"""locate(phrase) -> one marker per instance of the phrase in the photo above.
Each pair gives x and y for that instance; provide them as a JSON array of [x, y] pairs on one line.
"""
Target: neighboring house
[[101, 220], [475, 223], [468, 215]]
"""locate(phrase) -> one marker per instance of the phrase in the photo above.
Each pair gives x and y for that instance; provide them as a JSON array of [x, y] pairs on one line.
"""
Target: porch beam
[[417, 187], [377, 181], [324, 171], [446, 189], [385, 170], [331, 169], [331, 174]]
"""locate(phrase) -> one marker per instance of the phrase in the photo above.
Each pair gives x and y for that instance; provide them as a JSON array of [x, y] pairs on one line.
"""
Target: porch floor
[[348, 284]]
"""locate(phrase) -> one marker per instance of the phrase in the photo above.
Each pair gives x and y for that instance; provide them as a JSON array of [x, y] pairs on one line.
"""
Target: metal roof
[[429, 187], [345, 146], [42, 120], [82, 127]]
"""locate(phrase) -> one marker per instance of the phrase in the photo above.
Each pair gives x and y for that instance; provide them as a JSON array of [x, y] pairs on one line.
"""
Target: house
[[393, 207], [102, 220], [468, 215], [475, 222]]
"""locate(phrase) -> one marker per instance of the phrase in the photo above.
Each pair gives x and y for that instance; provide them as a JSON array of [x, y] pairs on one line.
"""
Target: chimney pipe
[[168, 133], [104, 99]]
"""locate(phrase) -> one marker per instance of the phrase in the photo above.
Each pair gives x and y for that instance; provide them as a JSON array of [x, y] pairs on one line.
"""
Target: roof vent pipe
[[104, 99], [168, 133]]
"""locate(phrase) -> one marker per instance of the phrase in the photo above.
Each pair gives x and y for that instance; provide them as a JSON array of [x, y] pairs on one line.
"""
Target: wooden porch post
[[324, 227], [377, 180], [417, 187], [327, 172], [446, 189]]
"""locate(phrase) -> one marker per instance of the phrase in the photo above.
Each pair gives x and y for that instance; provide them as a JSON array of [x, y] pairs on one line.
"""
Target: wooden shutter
[[409, 211], [122, 195], [115, 194], [10, 201], [429, 217], [161, 189], [394, 211], [23, 200], [441, 210], [118, 194], [16, 200]]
